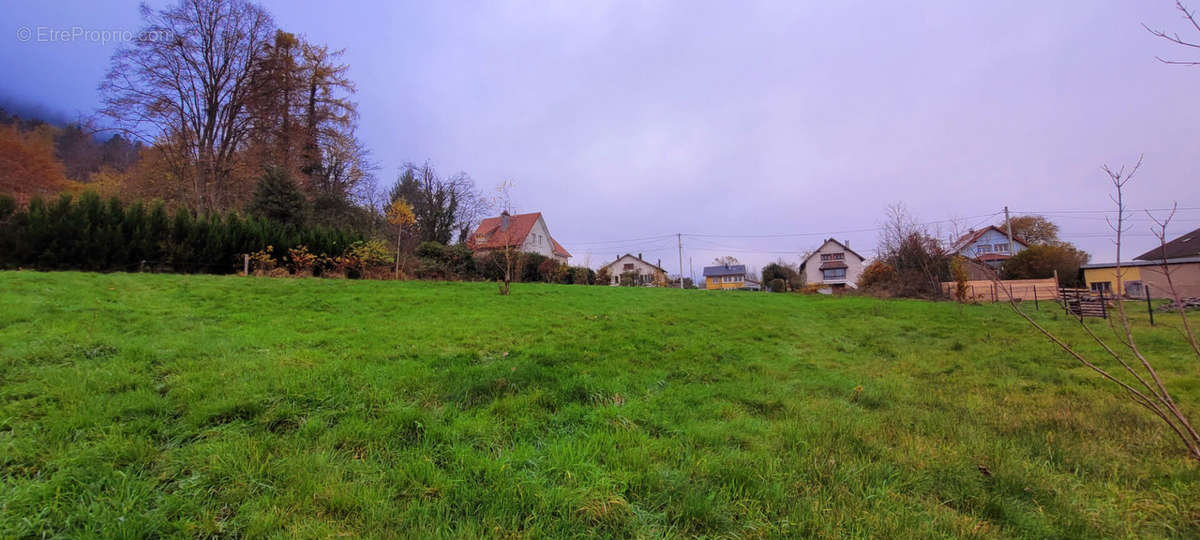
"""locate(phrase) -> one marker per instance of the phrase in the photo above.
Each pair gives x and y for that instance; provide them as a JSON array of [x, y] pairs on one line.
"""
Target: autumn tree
[[28, 165], [1032, 230], [275, 102], [400, 215], [185, 83]]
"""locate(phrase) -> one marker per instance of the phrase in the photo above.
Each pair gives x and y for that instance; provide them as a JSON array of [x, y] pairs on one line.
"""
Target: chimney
[[847, 244], [504, 220], [659, 263], [639, 256]]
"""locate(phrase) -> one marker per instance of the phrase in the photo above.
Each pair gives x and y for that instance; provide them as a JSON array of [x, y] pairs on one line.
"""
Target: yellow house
[[728, 276], [1139, 276], [1103, 278]]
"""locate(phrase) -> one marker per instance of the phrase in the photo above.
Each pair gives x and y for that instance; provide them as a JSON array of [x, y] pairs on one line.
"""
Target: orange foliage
[[28, 165]]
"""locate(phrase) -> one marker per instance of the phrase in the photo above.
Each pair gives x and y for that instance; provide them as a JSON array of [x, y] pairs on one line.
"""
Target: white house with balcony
[[834, 265]]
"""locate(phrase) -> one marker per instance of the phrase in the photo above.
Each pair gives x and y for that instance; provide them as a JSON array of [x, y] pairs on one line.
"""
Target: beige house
[[834, 265], [641, 271]]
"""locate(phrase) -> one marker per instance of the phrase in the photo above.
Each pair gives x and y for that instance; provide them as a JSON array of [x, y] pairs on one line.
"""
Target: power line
[[830, 233], [1182, 209], [663, 242]]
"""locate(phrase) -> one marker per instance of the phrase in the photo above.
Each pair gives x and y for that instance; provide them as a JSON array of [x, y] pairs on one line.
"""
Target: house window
[[1000, 248], [833, 256], [984, 248], [1102, 287], [628, 267], [833, 273]]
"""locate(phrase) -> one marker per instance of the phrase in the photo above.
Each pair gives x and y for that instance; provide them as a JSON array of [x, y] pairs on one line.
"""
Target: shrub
[[779, 271], [582, 275], [958, 270], [431, 250], [528, 265], [877, 276], [602, 277], [552, 271], [1041, 261], [460, 262], [301, 260], [261, 262], [777, 285]]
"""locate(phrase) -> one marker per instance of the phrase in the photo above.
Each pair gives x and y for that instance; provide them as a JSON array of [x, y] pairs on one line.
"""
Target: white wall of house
[[539, 241], [628, 263], [812, 266]]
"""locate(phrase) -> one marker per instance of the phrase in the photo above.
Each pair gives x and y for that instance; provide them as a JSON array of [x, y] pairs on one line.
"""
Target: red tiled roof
[[832, 264], [489, 236], [992, 257]]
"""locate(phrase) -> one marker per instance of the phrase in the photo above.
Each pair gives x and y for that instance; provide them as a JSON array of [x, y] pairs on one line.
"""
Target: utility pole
[[691, 271], [1008, 225], [679, 238]]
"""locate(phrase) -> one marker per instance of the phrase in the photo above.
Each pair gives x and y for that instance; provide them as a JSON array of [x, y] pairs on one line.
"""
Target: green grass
[[150, 405]]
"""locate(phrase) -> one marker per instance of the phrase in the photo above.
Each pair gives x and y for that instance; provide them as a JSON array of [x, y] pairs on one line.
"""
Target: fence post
[[245, 264], [1035, 302], [1103, 305], [1149, 308]]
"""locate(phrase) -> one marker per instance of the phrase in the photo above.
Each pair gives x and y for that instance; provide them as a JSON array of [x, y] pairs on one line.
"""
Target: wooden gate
[[1083, 303]]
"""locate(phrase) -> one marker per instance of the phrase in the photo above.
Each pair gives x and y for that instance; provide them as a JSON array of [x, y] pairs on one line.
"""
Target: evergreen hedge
[[87, 233]]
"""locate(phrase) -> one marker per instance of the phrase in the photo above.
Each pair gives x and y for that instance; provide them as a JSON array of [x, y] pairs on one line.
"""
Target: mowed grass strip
[[165, 405]]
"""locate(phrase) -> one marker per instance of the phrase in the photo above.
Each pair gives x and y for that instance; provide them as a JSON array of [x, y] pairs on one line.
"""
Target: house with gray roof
[[729, 276]]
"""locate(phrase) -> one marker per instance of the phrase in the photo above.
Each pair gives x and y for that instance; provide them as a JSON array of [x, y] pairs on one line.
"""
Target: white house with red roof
[[523, 232], [988, 245]]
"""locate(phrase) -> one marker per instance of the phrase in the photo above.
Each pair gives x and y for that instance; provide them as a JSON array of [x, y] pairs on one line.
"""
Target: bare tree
[[511, 255], [1132, 370], [186, 82], [917, 259], [1174, 37]]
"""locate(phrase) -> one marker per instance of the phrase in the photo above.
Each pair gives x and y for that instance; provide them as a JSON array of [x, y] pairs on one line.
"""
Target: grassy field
[[148, 405]]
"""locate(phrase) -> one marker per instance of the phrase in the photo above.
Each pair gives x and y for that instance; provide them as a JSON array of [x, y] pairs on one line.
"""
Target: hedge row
[[435, 261], [87, 233]]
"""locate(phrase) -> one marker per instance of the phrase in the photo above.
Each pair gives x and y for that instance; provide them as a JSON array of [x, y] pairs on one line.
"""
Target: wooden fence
[[982, 290]]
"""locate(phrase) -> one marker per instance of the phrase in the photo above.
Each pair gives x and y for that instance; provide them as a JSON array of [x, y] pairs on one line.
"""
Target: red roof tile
[[489, 236]]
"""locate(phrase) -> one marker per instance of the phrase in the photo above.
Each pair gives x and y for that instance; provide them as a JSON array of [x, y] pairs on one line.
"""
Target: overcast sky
[[624, 121]]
